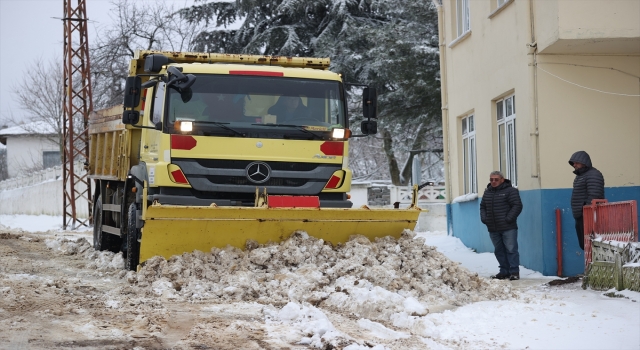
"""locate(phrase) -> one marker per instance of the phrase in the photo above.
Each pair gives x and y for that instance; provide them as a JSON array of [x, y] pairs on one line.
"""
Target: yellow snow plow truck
[[210, 150]]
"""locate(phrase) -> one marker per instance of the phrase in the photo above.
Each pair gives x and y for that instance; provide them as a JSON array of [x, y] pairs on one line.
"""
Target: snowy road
[[57, 292]]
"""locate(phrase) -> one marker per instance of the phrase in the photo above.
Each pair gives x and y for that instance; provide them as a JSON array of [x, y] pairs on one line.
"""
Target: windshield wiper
[[223, 126], [298, 127]]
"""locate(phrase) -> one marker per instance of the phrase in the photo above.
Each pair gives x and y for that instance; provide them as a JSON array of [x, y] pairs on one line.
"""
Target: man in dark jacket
[[499, 210], [588, 185]]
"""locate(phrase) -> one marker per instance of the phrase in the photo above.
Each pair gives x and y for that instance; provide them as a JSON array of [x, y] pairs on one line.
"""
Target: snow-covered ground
[[382, 295]]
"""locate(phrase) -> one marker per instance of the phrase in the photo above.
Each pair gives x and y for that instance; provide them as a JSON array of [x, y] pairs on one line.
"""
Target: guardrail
[[385, 195], [428, 194]]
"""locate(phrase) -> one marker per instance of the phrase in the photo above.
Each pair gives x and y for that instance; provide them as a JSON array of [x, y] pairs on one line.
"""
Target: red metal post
[[559, 240]]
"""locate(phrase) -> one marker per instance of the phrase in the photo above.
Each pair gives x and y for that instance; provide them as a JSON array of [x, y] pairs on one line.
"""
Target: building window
[[462, 16], [469, 155], [498, 5], [506, 120], [50, 159]]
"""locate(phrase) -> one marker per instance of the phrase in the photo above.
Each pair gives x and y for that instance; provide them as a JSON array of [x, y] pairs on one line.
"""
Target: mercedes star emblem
[[258, 172]]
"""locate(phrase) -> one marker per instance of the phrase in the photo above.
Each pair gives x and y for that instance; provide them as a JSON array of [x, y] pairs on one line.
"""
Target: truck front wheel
[[133, 246]]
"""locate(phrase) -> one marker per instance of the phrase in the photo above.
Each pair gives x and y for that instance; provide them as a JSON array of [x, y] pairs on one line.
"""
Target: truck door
[[150, 150]]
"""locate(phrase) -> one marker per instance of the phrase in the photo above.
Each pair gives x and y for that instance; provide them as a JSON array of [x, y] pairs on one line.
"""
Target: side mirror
[[158, 126], [132, 88], [154, 63], [185, 85], [370, 103], [178, 80], [130, 117], [369, 127]]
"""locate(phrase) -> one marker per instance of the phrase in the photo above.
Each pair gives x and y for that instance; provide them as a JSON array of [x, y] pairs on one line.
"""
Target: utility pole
[[77, 105]]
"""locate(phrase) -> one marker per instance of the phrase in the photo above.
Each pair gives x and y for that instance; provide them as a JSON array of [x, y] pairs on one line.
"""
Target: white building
[[30, 147]]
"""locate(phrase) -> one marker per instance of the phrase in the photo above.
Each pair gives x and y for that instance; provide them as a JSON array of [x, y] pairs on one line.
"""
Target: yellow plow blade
[[172, 230]]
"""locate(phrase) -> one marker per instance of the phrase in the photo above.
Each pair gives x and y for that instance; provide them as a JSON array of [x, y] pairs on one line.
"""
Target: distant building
[[3, 162], [30, 147], [525, 84]]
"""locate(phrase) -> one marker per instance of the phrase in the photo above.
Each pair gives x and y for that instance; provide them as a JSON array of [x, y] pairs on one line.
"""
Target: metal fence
[[615, 221]]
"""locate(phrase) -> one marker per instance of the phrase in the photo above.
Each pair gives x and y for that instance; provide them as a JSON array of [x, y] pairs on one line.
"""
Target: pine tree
[[389, 44]]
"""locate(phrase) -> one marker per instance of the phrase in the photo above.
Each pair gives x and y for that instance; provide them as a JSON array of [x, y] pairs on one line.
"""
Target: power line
[[585, 87]]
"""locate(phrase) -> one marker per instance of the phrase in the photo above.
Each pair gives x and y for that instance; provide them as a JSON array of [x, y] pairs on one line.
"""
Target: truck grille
[[237, 180], [214, 175]]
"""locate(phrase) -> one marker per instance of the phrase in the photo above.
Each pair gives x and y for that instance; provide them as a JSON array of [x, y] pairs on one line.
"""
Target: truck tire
[[102, 241], [133, 246]]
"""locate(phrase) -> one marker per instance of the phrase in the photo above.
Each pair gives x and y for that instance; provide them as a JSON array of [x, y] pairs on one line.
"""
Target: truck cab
[[238, 127]]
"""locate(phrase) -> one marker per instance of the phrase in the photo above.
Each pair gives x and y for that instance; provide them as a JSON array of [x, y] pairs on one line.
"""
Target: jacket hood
[[581, 157]]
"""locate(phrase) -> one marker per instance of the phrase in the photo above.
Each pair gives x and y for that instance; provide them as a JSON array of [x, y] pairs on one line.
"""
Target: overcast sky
[[28, 32]]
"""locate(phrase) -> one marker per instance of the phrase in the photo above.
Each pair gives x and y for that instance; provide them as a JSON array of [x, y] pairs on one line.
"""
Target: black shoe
[[500, 276], [514, 276]]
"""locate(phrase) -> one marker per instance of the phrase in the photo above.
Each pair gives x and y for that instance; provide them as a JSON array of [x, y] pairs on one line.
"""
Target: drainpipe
[[533, 56], [444, 94], [444, 99]]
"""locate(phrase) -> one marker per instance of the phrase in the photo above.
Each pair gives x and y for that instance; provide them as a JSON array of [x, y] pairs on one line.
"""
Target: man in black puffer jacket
[[499, 210], [588, 185]]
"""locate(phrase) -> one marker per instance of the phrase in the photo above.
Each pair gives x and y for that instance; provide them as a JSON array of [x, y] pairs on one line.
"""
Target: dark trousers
[[580, 231], [506, 250]]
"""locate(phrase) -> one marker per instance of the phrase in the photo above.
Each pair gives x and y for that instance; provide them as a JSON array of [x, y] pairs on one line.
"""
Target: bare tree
[[135, 26], [389, 154], [40, 94]]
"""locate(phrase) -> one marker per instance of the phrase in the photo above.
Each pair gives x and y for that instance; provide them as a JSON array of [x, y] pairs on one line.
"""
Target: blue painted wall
[[536, 228]]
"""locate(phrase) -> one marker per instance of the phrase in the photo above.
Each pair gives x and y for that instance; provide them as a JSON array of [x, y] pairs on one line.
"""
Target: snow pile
[[465, 198], [373, 280], [102, 261], [310, 321], [385, 288]]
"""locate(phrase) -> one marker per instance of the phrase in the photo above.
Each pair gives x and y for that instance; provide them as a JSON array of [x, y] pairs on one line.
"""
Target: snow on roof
[[39, 127]]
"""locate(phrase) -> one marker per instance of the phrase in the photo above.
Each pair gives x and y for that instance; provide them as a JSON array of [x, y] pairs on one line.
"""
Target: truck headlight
[[339, 133], [184, 125]]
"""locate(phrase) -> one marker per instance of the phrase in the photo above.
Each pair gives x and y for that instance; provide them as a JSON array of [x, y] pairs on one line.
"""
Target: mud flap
[[172, 230]]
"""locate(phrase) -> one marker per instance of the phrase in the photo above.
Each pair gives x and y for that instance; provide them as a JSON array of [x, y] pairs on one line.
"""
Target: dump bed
[[110, 145]]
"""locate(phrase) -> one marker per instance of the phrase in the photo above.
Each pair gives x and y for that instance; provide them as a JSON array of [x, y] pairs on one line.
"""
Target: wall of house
[[24, 153], [574, 118], [476, 80], [553, 121], [587, 27]]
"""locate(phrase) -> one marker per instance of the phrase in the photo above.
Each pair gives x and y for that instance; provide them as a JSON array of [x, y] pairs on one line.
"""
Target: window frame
[[47, 156], [158, 102], [469, 154], [507, 140], [463, 18]]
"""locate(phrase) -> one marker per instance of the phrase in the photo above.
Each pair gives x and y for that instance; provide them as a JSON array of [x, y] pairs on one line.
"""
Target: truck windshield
[[259, 100]]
